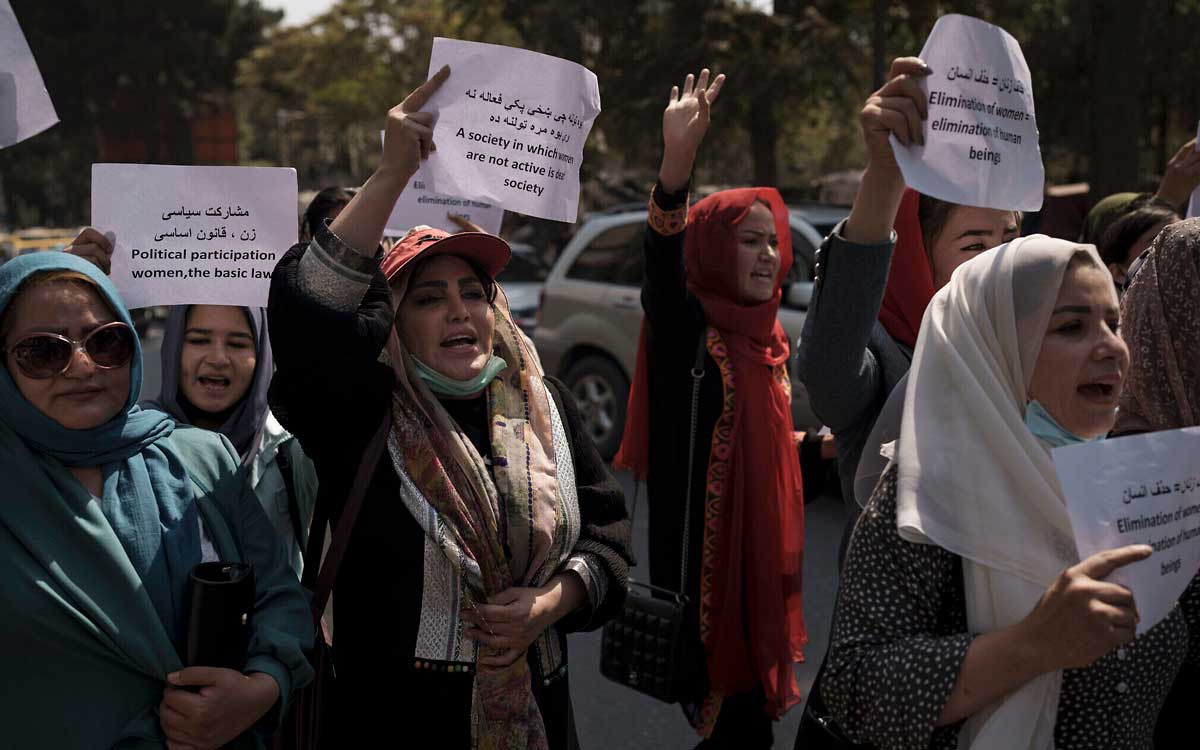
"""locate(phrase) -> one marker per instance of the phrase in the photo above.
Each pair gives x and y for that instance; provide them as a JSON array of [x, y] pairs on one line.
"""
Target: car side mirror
[[799, 295]]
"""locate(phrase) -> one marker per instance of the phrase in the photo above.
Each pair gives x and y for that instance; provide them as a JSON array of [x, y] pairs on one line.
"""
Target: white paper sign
[[1194, 202], [195, 235], [25, 106], [511, 125], [981, 138], [1143, 489], [418, 206]]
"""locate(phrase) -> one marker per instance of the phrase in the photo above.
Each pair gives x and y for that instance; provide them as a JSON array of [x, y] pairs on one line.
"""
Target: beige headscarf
[[972, 478], [1160, 321]]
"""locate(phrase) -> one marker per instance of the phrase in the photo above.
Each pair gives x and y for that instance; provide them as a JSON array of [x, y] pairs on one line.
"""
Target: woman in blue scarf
[[106, 508]]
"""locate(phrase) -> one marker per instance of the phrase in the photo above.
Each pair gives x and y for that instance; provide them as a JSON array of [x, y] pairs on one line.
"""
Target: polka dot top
[[900, 636]]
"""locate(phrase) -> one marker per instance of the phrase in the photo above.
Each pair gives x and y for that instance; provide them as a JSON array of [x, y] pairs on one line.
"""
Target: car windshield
[[523, 268]]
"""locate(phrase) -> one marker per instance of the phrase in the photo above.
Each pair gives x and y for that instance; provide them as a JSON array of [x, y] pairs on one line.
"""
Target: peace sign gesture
[[685, 121], [408, 139]]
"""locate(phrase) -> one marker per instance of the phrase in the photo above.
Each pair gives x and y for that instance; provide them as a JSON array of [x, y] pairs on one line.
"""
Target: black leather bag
[[648, 645], [220, 604]]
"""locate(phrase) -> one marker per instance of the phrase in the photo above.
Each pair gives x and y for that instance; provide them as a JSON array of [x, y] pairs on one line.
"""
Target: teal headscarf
[[148, 497]]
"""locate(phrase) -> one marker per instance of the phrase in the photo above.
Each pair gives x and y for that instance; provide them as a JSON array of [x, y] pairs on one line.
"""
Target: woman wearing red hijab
[[873, 284], [712, 291]]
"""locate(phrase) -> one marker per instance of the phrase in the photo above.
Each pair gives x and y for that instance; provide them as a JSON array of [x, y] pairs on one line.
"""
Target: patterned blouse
[[900, 637]]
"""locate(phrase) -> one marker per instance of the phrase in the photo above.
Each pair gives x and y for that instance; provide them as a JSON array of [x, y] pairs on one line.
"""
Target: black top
[[900, 636], [674, 326], [328, 328]]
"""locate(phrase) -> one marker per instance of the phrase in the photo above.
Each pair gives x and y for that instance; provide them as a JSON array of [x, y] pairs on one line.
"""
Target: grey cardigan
[[846, 358]]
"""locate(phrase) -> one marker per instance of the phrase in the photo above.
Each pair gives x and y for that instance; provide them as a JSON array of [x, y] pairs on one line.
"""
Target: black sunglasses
[[44, 355]]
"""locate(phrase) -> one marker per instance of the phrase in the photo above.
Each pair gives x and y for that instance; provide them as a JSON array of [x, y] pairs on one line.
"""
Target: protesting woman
[[873, 284], [106, 510], [711, 295], [965, 617], [1161, 325], [216, 368], [490, 526]]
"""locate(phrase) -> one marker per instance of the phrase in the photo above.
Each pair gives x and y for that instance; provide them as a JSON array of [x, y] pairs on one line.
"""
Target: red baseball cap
[[488, 250]]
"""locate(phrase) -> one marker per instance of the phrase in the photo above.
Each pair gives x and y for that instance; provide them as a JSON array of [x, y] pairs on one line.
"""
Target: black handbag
[[220, 604], [648, 646]]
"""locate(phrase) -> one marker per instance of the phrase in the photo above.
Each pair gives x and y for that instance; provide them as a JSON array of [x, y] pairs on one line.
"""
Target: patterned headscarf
[[1160, 321], [498, 529]]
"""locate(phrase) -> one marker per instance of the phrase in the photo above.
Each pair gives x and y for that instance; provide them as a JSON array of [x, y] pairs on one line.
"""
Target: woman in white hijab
[[965, 617]]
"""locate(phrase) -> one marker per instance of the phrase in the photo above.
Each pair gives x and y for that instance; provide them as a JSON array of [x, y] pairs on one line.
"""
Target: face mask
[[1043, 426], [444, 386]]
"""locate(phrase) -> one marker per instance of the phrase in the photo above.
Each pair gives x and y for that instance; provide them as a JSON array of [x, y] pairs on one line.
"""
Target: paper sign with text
[[981, 138], [418, 206], [195, 235], [25, 106], [511, 125], [1193, 209], [1143, 489]]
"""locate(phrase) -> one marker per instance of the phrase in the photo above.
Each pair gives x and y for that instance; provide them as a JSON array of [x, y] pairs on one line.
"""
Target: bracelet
[[667, 223]]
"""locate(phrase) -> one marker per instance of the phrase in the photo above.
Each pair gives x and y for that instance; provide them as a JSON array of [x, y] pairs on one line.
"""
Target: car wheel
[[601, 390]]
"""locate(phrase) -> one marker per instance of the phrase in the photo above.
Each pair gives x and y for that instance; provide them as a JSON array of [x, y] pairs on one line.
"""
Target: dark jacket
[[847, 360], [330, 314]]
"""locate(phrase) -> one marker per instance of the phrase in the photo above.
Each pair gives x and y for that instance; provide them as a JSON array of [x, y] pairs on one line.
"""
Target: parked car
[[591, 313], [522, 281]]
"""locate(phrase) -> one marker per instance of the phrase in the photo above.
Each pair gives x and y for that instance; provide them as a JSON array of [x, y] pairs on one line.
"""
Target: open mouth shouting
[[1102, 391]]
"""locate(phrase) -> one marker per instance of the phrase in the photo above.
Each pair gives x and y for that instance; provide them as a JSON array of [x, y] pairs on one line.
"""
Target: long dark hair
[[319, 209]]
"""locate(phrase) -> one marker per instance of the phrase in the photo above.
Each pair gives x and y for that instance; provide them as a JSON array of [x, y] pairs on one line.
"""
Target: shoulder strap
[[284, 461], [697, 375], [341, 536]]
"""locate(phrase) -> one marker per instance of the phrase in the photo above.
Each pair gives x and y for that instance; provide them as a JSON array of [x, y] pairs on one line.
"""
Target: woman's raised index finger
[[422, 93]]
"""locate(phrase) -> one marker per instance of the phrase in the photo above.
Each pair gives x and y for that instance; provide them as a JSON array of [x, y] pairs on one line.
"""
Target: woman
[[1159, 323], [873, 286], [1130, 234], [965, 618], [711, 294], [325, 206], [490, 526], [216, 368], [106, 509]]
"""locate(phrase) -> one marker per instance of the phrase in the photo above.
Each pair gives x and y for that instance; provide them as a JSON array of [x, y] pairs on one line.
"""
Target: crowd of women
[[387, 397]]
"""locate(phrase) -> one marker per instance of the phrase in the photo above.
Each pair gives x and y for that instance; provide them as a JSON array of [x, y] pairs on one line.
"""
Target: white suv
[[591, 313]]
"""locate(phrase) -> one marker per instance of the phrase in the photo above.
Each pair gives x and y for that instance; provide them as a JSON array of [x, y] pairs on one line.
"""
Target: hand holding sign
[[897, 108], [685, 121], [92, 246], [1082, 617], [408, 138]]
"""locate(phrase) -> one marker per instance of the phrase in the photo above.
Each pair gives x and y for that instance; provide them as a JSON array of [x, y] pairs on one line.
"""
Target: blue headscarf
[[147, 497]]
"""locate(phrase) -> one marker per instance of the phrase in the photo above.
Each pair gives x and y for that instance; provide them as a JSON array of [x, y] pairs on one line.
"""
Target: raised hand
[[408, 138], [685, 121], [93, 246], [898, 108], [1182, 176]]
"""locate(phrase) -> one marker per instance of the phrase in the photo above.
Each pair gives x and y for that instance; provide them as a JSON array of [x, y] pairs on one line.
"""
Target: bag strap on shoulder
[[326, 575]]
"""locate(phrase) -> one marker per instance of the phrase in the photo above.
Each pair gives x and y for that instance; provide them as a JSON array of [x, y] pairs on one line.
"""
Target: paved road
[[610, 716]]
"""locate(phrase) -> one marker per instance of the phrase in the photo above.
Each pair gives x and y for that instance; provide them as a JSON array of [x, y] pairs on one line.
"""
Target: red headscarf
[[752, 597], [910, 281]]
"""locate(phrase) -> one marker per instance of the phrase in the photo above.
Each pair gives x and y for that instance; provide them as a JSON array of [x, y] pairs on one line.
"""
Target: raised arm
[[840, 372], [685, 121]]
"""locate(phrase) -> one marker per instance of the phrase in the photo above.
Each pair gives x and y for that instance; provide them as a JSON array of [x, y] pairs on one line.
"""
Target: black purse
[[220, 603], [648, 646]]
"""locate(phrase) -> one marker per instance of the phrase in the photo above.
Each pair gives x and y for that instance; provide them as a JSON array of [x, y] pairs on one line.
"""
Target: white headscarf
[[972, 478]]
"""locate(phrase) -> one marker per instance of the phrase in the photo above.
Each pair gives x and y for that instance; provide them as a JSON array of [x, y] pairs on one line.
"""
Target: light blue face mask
[[444, 386], [1044, 426]]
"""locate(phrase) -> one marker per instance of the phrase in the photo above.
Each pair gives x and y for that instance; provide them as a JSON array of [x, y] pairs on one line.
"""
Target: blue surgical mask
[[444, 386], [1045, 427]]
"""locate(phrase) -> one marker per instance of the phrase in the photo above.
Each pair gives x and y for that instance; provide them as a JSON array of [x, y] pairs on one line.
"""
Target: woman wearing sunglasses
[[216, 369], [105, 510]]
